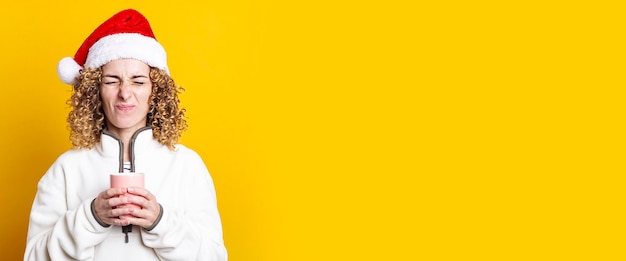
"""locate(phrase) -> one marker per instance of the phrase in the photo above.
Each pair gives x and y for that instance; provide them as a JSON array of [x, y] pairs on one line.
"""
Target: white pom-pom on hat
[[68, 70]]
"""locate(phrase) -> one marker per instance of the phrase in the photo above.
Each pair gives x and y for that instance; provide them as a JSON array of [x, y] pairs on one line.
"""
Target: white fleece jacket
[[62, 226]]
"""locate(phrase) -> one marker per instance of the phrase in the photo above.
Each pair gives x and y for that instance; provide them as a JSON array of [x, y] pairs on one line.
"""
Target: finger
[[135, 220], [117, 201], [114, 192], [142, 217], [140, 192], [108, 205], [115, 213], [118, 216], [123, 220], [141, 201]]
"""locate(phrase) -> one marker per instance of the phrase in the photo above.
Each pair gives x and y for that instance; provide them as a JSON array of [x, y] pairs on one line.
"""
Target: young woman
[[125, 117]]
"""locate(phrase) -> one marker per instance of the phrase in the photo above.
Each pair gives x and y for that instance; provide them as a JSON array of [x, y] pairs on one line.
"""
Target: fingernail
[[130, 189]]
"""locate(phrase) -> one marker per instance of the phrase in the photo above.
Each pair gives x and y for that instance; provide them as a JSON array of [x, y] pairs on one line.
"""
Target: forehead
[[126, 66]]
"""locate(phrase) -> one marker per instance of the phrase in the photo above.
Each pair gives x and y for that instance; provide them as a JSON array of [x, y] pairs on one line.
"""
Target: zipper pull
[[126, 230]]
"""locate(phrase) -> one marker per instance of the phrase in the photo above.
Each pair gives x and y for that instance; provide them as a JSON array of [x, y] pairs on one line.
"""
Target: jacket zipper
[[128, 228]]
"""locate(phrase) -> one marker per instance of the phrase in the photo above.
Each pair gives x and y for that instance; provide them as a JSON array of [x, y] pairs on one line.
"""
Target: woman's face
[[125, 93]]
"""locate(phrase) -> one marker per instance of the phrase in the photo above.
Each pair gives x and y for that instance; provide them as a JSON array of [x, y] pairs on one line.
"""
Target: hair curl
[[87, 120]]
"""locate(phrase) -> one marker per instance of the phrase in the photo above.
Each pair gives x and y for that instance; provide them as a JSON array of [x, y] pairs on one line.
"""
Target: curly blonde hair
[[86, 120]]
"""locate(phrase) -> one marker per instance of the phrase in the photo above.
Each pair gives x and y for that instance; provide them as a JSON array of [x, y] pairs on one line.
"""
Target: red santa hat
[[127, 34]]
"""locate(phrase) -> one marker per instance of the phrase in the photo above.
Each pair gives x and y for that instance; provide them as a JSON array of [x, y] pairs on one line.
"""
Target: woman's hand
[[149, 211], [108, 206]]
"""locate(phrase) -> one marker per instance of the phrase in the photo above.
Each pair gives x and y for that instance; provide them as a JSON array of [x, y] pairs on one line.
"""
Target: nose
[[125, 90]]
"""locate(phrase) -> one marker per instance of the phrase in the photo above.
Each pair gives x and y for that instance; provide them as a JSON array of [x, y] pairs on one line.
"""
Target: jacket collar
[[141, 145]]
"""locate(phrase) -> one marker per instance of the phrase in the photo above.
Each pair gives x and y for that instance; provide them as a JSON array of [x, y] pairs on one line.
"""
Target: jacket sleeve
[[193, 230], [56, 232]]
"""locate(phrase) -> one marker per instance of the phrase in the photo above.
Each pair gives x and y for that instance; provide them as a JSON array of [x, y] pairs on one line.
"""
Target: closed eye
[[110, 79], [139, 79]]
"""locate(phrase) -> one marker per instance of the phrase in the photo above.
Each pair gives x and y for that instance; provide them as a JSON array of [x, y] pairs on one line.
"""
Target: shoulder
[[63, 164], [190, 157], [186, 152], [72, 155], [71, 160]]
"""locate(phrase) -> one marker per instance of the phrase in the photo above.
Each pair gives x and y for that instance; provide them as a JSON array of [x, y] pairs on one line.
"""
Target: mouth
[[124, 107]]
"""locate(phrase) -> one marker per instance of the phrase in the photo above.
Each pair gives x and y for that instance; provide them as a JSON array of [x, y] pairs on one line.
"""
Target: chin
[[126, 125]]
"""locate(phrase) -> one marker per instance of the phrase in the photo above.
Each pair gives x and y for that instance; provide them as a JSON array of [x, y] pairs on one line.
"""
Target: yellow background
[[362, 130]]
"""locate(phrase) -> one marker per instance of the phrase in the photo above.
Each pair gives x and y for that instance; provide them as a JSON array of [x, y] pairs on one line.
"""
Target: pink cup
[[125, 180]]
